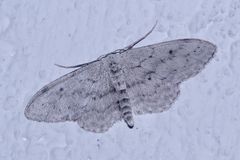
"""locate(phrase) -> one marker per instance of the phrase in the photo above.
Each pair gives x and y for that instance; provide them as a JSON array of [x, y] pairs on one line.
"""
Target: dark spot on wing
[[163, 78], [123, 91], [135, 84], [148, 76], [170, 51], [150, 56], [113, 90], [53, 106], [91, 80], [61, 89], [162, 60], [170, 57]]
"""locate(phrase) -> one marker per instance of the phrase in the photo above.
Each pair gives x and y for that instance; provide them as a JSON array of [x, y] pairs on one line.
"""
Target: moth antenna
[[75, 66], [116, 51], [147, 34], [139, 40]]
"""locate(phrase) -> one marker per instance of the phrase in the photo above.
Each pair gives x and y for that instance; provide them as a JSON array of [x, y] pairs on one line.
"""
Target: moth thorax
[[117, 76]]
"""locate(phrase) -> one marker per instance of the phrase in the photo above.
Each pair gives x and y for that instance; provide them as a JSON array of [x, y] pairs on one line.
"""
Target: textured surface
[[202, 124]]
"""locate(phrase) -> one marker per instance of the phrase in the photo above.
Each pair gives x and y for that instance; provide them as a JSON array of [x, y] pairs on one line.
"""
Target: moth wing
[[154, 72], [84, 95]]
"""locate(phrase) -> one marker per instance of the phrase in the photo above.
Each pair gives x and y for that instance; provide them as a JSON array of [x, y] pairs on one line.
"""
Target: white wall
[[204, 123]]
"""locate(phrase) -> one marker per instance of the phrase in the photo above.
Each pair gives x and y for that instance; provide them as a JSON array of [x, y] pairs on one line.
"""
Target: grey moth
[[121, 84]]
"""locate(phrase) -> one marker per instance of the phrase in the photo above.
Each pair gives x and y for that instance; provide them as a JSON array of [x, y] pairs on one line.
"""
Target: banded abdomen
[[117, 77]]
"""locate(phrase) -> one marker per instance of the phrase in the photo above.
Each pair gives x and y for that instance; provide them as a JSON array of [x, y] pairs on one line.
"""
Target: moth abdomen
[[126, 110], [124, 101], [128, 118]]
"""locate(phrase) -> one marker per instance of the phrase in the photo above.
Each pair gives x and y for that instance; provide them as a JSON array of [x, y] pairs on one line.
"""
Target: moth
[[121, 84]]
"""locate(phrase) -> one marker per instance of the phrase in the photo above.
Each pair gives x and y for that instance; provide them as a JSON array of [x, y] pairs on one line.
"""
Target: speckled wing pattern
[[151, 74], [84, 95]]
